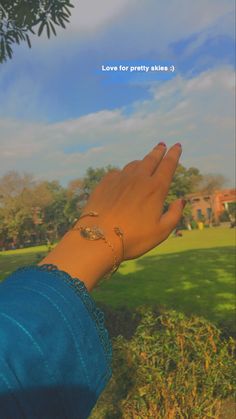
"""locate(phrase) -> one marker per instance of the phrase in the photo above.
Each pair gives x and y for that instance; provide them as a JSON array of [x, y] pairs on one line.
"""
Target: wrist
[[108, 234], [88, 260]]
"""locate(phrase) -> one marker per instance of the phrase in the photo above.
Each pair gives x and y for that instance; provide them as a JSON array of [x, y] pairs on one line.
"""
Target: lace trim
[[80, 289]]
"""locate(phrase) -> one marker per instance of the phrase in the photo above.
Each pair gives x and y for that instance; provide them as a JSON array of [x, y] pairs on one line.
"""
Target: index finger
[[164, 173]]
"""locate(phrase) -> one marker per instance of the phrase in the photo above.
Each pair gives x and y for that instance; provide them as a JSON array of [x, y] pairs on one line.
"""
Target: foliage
[[82, 188], [42, 211], [54, 215], [185, 181], [224, 216], [173, 367], [92, 178], [20, 18], [212, 182], [120, 321], [232, 209], [22, 202]]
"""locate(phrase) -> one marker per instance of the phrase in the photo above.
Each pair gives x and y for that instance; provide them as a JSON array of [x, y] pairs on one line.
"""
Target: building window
[[199, 214], [209, 212], [196, 200]]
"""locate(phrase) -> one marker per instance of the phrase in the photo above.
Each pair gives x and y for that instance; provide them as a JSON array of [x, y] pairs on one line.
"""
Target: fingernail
[[179, 144], [184, 202], [162, 143]]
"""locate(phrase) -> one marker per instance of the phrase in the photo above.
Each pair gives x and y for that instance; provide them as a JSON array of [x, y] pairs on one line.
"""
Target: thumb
[[171, 218]]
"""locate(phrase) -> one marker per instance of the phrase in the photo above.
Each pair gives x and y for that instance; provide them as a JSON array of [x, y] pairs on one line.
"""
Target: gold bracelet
[[95, 233]]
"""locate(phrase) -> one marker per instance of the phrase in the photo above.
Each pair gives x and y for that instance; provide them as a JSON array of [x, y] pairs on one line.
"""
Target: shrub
[[172, 367], [121, 321]]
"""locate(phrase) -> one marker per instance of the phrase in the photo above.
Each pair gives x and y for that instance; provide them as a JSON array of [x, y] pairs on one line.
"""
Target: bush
[[172, 367], [122, 321]]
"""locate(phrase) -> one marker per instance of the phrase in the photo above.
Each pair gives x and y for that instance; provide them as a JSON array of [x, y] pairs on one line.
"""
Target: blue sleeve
[[55, 353]]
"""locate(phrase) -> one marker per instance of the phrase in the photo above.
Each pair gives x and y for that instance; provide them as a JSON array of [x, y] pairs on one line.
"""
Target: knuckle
[[114, 172], [151, 158], [131, 165], [171, 159]]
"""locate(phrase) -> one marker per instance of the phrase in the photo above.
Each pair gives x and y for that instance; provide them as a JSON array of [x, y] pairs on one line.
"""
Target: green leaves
[[173, 366], [20, 198], [41, 28], [18, 18]]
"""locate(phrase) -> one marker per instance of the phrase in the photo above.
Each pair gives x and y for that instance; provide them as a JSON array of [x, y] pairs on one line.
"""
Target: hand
[[133, 199]]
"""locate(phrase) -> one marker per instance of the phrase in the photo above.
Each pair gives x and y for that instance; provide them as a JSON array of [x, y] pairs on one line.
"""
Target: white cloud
[[130, 27], [90, 15], [198, 112], [175, 17], [161, 23]]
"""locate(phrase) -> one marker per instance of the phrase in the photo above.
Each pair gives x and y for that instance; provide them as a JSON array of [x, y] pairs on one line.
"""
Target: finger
[[172, 217], [130, 166], [151, 161], [163, 176]]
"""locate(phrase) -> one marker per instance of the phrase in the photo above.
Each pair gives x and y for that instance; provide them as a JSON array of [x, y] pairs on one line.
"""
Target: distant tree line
[[34, 212]]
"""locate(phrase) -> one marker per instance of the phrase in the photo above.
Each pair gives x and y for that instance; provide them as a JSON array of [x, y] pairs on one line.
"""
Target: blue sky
[[58, 115]]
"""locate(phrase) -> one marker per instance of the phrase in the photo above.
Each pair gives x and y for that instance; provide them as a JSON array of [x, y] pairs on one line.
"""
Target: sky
[[60, 113]]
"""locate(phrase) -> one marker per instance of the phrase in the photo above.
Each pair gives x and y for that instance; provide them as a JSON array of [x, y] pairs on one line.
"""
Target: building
[[209, 207]]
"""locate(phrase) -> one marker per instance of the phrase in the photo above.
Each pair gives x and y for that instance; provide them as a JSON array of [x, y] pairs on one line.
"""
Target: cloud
[[89, 16], [175, 18], [57, 79], [125, 28], [199, 112]]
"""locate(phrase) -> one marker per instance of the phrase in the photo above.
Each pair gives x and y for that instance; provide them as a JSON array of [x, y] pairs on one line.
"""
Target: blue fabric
[[55, 353]]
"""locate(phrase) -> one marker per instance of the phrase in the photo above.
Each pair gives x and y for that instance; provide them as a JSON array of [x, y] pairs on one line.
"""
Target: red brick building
[[207, 206]]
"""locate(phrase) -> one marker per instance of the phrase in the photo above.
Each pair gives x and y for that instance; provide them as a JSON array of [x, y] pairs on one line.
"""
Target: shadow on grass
[[199, 281], [196, 281]]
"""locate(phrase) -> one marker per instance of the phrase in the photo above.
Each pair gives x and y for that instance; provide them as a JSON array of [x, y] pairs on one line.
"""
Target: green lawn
[[13, 259], [192, 274]]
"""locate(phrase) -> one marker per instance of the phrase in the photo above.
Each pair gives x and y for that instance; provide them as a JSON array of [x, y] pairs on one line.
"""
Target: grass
[[10, 260], [193, 274]]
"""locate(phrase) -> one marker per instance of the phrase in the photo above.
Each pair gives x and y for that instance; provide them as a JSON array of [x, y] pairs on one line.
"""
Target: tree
[[82, 188], [36, 211], [185, 181], [22, 203], [211, 182], [54, 213], [94, 176], [13, 208], [208, 185], [20, 18], [12, 184]]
